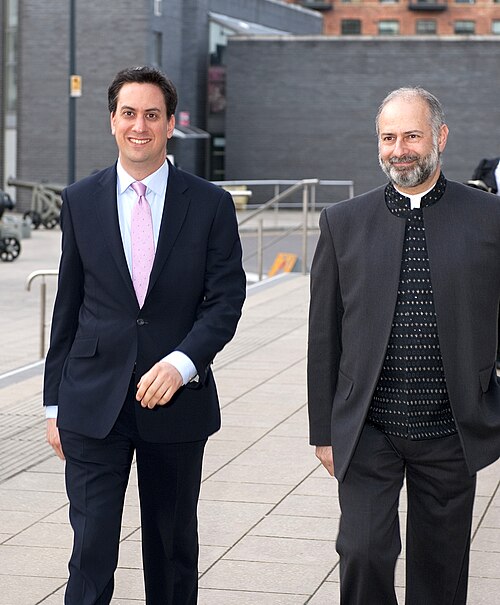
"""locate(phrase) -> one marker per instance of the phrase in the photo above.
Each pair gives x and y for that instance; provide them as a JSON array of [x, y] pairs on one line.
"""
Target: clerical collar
[[399, 204]]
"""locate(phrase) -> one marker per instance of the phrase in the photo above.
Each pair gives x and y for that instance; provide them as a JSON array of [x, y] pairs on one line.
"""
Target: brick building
[[407, 17]]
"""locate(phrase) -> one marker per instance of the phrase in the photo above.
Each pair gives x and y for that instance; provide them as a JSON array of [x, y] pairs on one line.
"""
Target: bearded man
[[402, 384]]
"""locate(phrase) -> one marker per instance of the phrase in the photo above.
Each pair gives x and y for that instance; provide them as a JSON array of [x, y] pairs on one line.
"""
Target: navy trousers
[[440, 495], [169, 477]]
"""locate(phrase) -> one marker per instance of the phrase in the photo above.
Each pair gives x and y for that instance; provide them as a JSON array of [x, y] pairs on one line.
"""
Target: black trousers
[[169, 477], [440, 495]]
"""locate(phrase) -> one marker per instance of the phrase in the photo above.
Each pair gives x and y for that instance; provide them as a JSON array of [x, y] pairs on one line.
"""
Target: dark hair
[[143, 75]]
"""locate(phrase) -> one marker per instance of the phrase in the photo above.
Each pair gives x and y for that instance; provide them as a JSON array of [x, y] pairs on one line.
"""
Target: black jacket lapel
[[175, 210], [106, 204]]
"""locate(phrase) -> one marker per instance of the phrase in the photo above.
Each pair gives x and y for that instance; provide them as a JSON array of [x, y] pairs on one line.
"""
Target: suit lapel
[[106, 204], [174, 214]]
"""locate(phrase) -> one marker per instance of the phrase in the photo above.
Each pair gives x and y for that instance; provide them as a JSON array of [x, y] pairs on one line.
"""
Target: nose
[[399, 147], [139, 124]]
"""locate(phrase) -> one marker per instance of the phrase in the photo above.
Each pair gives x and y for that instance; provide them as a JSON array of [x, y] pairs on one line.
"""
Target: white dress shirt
[[415, 198], [156, 187]]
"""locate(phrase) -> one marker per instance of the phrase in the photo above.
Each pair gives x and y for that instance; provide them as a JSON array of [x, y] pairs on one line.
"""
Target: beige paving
[[268, 513]]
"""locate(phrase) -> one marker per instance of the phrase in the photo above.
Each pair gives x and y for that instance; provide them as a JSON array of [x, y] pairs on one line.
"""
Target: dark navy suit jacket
[[99, 333]]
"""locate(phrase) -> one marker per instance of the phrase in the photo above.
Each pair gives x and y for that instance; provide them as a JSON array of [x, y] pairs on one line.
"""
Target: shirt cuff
[[183, 365], [51, 411]]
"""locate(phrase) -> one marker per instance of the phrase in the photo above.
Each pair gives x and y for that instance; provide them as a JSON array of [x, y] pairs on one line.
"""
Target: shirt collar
[[155, 182], [399, 204]]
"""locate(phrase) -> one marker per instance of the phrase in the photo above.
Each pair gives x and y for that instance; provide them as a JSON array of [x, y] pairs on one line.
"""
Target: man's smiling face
[[141, 128]]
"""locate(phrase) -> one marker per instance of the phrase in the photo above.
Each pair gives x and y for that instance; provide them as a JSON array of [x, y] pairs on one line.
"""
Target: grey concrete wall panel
[[305, 107]]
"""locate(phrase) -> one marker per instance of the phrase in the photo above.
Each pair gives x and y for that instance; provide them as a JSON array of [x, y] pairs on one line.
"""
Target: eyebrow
[[146, 110], [407, 132]]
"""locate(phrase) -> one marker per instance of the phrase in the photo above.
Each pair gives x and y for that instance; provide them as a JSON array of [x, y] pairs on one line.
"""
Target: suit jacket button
[[140, 322]]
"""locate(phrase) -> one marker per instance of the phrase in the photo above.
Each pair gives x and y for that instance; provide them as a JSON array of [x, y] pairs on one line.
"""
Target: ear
[[112, 123], [170, 127], [443, 137]]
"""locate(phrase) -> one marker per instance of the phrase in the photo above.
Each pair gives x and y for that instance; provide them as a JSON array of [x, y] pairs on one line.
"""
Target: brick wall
[[370, 12]]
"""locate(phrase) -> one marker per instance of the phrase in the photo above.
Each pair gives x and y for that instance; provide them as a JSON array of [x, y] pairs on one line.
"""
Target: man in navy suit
[[125, 376]]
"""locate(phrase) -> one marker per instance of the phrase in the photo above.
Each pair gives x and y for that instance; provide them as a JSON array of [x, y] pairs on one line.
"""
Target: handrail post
[[313, 199], [305, 204], [43, 273], [260, 251], [43, 304]]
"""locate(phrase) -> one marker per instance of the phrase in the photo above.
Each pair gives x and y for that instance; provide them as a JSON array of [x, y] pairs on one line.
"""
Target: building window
[[157, 8], [388, 28], [388, 1], [465, 27], [350, 27], [426, 26], [495, 27], [465, 1]]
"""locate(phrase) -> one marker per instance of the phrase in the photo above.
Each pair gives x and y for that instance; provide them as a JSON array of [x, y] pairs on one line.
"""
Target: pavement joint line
[[235, 399], [322, 583], [21, 370], [266, 434], [485, 512]]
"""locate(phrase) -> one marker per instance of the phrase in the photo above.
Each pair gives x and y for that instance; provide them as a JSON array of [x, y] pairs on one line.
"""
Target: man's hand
[[53, 437], [158, 385], [324, 453]]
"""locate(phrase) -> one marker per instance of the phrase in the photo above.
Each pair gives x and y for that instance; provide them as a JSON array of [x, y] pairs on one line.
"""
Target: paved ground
[[268, 512]]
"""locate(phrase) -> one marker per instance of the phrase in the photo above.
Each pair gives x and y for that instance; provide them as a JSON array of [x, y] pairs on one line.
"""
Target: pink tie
[[143, 248]]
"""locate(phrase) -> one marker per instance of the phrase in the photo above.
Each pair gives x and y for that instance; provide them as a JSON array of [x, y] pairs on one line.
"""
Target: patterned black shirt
[[411, 398]]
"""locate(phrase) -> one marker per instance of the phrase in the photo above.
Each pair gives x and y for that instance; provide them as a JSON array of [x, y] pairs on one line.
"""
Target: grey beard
[[415, 176]]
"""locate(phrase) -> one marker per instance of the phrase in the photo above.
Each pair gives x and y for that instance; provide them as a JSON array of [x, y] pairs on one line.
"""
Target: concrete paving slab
[[286, 578]]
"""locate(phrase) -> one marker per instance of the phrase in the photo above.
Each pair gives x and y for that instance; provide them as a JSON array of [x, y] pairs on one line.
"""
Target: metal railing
[[276, 185], [308, 187], [41, 273], [305, 185]]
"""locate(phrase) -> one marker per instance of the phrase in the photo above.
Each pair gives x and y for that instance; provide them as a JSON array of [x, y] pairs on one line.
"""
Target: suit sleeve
[[66, 307], [324, 340], [224, 291]]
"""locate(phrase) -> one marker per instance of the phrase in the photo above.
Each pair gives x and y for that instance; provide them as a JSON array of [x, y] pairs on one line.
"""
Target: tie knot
[[139, 188]]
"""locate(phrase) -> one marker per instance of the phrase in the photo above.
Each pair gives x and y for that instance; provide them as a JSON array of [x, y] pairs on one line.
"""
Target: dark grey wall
[[306, 107], [107, 40], [43, 82], [186, 21]]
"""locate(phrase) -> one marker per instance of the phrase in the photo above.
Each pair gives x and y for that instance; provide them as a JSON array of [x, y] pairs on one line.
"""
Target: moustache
[[403, 158]]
